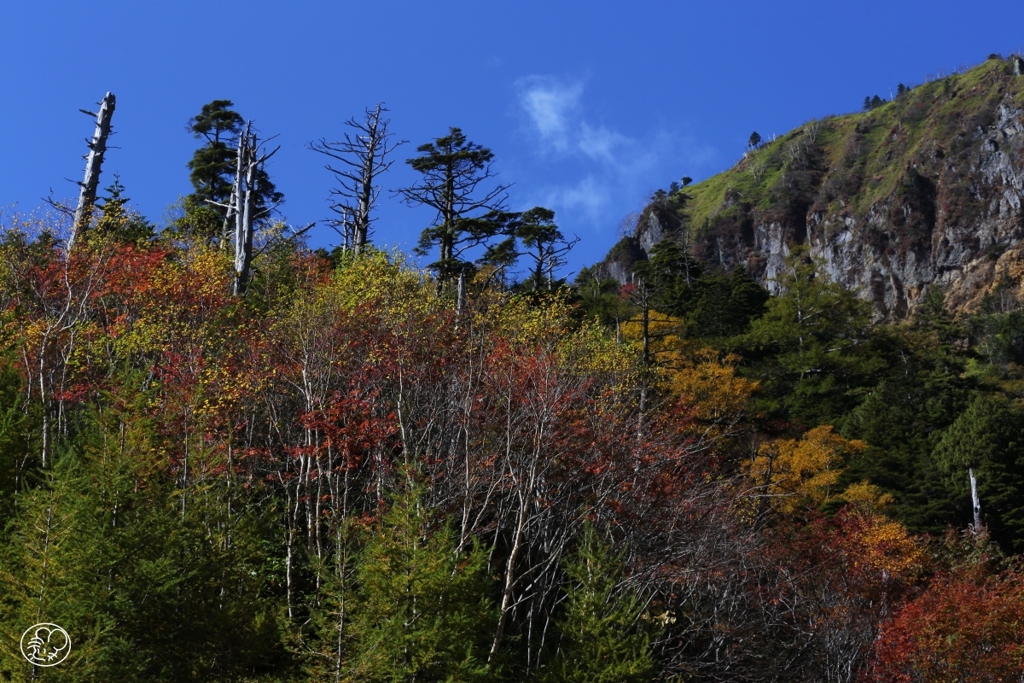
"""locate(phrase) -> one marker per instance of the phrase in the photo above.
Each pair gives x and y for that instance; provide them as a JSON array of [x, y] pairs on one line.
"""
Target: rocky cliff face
[[924, 191]]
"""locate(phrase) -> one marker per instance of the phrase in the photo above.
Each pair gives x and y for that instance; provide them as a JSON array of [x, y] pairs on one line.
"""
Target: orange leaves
[[710, 386], [800, 471], [881, 546]]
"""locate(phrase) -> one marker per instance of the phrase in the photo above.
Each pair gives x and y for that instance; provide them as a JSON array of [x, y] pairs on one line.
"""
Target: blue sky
[[588, 106]]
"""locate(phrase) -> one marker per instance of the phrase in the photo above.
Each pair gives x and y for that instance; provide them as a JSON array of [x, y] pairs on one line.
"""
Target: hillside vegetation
[[227, 457]]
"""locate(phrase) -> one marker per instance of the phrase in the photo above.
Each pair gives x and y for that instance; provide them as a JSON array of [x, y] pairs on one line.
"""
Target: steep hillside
[[924, 190]]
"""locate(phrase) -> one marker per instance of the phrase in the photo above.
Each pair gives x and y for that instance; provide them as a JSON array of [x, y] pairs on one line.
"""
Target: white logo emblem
[[45, 644]]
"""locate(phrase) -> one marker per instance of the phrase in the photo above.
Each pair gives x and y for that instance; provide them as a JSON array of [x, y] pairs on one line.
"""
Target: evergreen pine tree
[[453, 169], [811, 346], [671, 274], [421, 611], [213, 167], [145, 593], [604, 637], [119, 223], [326, 647], [987, 438], [35, 564]]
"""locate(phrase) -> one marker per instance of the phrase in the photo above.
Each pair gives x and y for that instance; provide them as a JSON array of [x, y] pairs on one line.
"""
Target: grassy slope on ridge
[[847, 164]]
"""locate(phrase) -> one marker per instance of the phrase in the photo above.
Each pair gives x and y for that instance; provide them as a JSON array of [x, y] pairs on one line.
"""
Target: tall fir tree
[[604, 635], [212, 172], [985, 442], [454, 172], [811, 346], [421, 612], [145, 592]]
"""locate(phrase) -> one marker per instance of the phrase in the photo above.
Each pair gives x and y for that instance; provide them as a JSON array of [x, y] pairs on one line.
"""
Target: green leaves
[[812, 341], [988, 438], [468, 214], [146, 589], [421, 610], [213, 167], [605, 635]]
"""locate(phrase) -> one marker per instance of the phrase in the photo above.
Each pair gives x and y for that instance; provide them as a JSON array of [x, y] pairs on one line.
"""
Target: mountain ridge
[[924, 190]]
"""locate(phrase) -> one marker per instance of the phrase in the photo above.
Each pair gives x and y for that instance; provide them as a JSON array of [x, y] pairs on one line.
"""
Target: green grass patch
[[865, 156]]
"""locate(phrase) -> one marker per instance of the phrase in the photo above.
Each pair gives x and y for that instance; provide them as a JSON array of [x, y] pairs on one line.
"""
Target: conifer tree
[[14, 448], [453, 170], [813, 342], [545, 245], [34, 569], [119, 223], [145, 593], [980, 452], [326, 649], [604, 638], [213, 167], [421, 612]]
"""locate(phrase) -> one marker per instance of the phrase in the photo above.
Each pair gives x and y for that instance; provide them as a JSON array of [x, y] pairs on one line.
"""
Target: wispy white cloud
[[602, 173], [550, 104], [589, 196], [557, 122], [600, 143]]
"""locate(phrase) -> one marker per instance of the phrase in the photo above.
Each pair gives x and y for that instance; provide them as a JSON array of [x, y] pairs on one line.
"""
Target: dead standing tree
[[93, 165], [243, 205], [250, 162], [364, 156]]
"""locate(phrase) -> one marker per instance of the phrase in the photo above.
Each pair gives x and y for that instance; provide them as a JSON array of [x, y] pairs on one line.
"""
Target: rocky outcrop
[[971, 228], [925, 191]]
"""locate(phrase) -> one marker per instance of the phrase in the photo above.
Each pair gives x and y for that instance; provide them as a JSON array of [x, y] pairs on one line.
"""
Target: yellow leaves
[[882, 545], [711, 385], [597, 352], [799, 470], [663, 331], [390, 285], [866, 497], [177, 303], [519, 322]]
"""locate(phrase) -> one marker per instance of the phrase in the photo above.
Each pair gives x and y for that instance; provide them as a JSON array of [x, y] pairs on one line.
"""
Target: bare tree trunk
[[243, 204], [365, 156], [975, 501], [93, 164], [460, 299]]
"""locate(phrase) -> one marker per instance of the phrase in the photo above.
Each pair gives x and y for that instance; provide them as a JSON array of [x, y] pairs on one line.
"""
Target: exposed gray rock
[[650, 231], [961, 250]]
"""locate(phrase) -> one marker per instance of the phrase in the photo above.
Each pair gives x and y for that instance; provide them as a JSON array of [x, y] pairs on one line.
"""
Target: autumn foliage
[[343, 445], [963, 627]]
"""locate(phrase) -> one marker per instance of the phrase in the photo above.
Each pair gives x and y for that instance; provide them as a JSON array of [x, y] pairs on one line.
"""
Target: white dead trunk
[[243, 204], [364, 156], [93, 165], [975, 501], [242, 201]]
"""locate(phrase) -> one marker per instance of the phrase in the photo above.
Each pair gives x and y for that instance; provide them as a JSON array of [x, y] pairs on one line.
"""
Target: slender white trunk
[[93, 164], [975, 501]]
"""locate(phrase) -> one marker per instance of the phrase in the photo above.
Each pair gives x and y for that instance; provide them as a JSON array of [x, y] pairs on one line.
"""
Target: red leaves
[[351, 426], [964, 627]]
